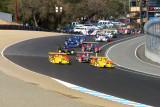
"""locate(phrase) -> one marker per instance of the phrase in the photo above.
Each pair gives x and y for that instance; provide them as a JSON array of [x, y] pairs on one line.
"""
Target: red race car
[[90, 46]]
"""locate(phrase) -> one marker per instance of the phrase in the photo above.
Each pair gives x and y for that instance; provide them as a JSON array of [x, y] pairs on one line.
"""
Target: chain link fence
[[152, 29], [21, 27]]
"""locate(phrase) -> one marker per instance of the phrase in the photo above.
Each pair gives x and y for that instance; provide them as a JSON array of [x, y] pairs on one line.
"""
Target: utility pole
[[141, 19], [124, 6], [16, 9]]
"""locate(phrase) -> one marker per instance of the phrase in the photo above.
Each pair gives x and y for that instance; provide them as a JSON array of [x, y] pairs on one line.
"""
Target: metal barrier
[[21, 27], [152, 29]]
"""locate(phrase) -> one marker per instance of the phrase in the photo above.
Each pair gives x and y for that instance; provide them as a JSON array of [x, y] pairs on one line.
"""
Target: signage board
[[154, 8]]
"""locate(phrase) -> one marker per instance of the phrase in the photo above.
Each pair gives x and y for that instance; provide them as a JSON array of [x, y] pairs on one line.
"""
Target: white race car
[[101, 37], [111, 34], [91, 32]]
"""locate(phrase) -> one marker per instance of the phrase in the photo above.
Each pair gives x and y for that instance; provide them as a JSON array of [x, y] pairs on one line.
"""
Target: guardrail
[[21, 27], [152, 29]]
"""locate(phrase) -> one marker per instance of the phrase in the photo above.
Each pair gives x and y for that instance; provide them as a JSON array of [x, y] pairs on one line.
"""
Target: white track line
[[78, 88], [141, 72], [142, 60]]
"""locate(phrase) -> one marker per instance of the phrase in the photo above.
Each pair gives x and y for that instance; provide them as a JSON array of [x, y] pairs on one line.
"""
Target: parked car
[[79, 29], [67, 30], [106, 22]]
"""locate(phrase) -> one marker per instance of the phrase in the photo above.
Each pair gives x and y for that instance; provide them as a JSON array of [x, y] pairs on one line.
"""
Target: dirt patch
[[7, 23]]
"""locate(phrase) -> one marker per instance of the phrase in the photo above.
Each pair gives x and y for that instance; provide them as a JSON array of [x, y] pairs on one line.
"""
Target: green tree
[[4, 5]]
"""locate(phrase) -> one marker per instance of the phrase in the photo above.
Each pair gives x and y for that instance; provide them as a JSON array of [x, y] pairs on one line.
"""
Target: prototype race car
[[90, 46], [111, 34], [124, 30], [62, 48], [83, 57], [101, 37], [74, 40], [58, 58], [90, 32], [98, 61]]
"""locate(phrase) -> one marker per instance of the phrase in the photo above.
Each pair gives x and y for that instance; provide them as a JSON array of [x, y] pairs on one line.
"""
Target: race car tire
[[52, 60], [59, 51], [79, 59], [72, 52], [94, 64]]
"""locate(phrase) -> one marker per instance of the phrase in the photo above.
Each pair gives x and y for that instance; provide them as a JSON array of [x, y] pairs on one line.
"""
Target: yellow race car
[[98, 61], [57, 58]]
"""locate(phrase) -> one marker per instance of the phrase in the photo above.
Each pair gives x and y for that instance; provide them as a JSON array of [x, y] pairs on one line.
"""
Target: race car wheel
[[52, 60], [59, 51], [94, 64], [72, 52], [97, 64], [79, 60]]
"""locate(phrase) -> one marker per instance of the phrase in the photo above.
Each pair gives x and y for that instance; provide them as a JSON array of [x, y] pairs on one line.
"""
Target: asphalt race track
[[129, 59], [120, 82]]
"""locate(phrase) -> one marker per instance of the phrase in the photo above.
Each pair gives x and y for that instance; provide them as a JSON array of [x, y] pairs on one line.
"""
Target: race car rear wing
[[84, 52], [91, 42], [98, 57], [55, 53]]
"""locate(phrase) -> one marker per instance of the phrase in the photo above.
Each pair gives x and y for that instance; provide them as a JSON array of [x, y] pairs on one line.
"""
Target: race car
[[124, 30], [110, 34], [90, 32], [90, 46], [58, 58], [74, 40], [98, 61], [62, 48], [101, 37], [83, 56]]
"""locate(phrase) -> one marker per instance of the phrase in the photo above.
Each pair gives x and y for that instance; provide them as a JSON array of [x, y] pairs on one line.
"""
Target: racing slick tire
[[60, 51], [72, 52], [79, 60]]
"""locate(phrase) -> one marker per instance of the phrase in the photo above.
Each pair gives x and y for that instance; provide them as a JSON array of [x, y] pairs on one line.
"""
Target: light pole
[[16, 9], [58, 9]]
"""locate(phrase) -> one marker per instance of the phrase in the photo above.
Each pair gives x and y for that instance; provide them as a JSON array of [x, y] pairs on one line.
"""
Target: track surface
[[32, 54], [126, 57]]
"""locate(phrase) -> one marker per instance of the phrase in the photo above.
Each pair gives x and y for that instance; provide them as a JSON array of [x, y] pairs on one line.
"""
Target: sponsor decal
[[154, 8]]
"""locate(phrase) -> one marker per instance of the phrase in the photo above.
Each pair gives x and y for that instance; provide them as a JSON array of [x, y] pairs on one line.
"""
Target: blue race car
[[62, 48], [74, 40]]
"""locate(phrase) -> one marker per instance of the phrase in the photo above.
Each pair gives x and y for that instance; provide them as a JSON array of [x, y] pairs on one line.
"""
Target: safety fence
[[21, 27], [152, 29]]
